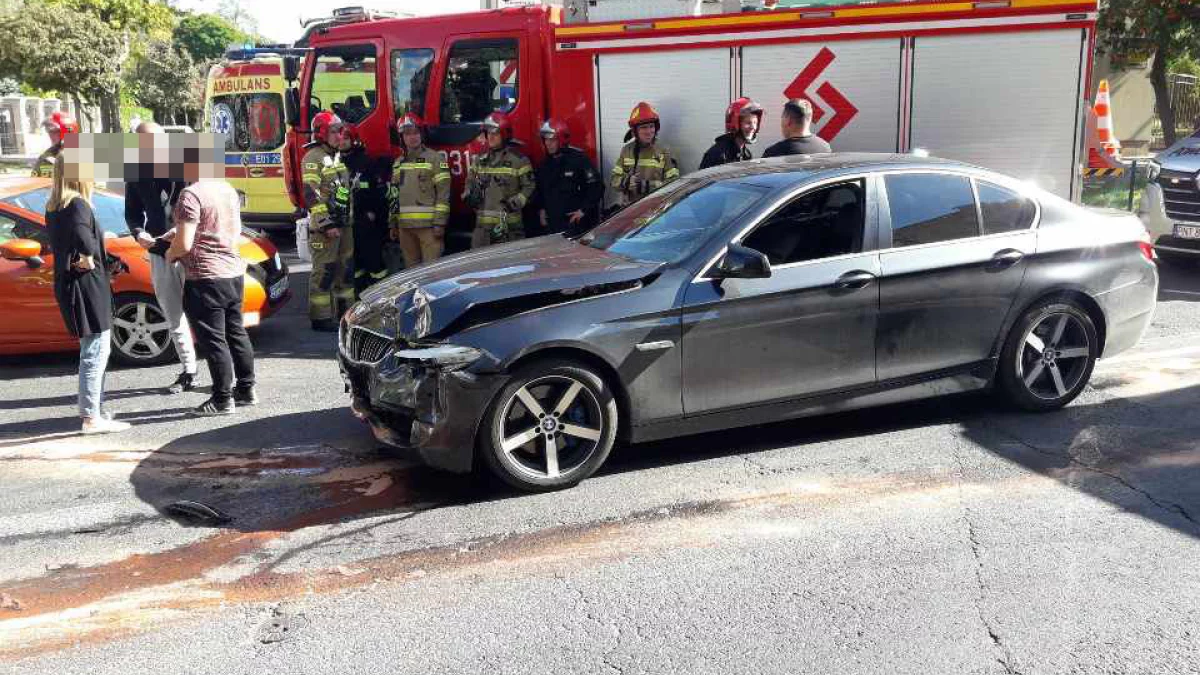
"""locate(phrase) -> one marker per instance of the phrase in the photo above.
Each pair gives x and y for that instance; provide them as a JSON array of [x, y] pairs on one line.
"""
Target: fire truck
[[997, 83]]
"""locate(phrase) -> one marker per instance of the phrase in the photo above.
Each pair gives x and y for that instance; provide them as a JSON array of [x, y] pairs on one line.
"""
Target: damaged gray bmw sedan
[[746, 294]]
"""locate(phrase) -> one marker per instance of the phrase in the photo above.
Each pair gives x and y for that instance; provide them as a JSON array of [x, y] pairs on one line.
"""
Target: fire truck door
[[854, 87], [1006, 101], [690, 88]]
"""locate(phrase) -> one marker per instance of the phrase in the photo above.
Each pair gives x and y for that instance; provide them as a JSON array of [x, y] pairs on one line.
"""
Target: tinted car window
[[820, 224], [1003, 210], [109, 209], [671, 223], [930, 207]]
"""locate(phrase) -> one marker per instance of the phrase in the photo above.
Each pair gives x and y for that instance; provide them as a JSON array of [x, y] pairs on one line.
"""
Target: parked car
[[32, 323], [745, 294], [1170, 207]]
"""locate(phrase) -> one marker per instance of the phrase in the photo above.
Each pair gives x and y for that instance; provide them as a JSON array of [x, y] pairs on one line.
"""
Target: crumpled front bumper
[[410, 405], [1161, 227]]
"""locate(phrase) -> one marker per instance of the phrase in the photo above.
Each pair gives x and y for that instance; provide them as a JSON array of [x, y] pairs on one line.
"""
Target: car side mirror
[[743, 262], [291, 68], [291, 106], [20, 249]]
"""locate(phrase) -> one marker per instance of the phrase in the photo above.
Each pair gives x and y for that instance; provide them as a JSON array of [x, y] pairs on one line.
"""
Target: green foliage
[[1187, 64], [206, 36], [150, 17], [162, 79], [50, 48]]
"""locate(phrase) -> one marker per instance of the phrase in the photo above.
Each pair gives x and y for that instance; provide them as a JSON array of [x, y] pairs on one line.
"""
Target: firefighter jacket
[[567, 182], [499, 186], [326, 188], [44, 166], [419, 194], [725, 150], [642, 170]]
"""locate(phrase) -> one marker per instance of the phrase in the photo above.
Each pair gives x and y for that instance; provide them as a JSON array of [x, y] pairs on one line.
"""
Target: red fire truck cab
[[999, 83]]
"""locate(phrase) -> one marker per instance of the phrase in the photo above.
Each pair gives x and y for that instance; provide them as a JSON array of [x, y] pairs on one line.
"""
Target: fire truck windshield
[[344, 82]]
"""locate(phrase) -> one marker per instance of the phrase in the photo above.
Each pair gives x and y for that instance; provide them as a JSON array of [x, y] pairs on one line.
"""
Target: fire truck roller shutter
[[689, 88], [1015, 102], [854, 86]]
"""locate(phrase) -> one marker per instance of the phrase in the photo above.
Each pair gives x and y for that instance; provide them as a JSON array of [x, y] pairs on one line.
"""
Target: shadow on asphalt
[[1130, 452], [1179, 281]]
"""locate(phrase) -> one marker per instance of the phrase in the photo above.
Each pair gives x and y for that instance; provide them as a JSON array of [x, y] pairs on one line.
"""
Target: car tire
[[140, 334], [1049, 356], [550, 427]]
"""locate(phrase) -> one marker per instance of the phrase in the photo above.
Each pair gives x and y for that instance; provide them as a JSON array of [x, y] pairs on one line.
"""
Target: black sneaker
[[185, 382], [211, 408], [244, 395], [325, 325]]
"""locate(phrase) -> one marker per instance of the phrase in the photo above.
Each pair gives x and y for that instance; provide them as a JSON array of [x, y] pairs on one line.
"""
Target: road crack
[[1004, 655]]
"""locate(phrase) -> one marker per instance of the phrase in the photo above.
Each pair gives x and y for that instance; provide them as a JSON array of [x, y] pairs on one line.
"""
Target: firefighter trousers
[[369, 265], [331, 284], [420, 245]]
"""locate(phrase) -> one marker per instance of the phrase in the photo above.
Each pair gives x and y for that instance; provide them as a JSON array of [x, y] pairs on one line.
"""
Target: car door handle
[[1007, 258], [855, 279]]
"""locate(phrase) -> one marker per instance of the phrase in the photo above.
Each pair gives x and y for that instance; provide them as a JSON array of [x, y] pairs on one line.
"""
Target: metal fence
[[8, 134], [1185, 101]]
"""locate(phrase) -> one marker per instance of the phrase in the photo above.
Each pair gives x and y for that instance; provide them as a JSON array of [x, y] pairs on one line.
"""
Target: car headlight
[[444, 357], [1153, 169]]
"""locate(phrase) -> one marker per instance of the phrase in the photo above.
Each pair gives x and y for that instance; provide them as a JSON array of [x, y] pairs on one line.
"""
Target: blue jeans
[[93, 360]]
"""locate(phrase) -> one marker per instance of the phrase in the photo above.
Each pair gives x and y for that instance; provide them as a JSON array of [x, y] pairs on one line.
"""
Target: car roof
[[19, 184], [779, 172]]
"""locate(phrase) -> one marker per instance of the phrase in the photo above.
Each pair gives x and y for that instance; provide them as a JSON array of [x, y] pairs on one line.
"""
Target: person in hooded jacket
[[743, 118]]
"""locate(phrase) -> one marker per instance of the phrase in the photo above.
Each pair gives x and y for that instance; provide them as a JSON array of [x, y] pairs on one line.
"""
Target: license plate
[[1187, 231], [278, 288]]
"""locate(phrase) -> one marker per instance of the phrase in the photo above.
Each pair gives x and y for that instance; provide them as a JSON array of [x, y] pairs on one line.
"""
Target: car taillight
[[1147, 247]]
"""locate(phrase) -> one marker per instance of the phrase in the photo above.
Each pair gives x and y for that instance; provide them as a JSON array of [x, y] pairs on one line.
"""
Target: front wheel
[[141, 335], [1049, 356], [550, 427]]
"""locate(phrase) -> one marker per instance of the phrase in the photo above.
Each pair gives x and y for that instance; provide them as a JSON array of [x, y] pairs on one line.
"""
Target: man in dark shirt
[[147, 205], [569, 189], [798, 138]]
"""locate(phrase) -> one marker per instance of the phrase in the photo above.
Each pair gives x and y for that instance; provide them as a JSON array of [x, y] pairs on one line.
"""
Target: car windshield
[[670, 224], [109, 208]]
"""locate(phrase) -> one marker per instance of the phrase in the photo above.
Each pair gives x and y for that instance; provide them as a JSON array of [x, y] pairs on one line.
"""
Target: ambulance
[[997, 83], [244, 101]]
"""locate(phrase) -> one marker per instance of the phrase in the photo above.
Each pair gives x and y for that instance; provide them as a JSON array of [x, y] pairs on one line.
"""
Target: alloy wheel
[[140, 331], [1054, 356], [551, 427]]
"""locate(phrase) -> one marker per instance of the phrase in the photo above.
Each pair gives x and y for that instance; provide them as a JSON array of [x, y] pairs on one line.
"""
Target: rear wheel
[[141, 335], [552, 426], [1049, 356]]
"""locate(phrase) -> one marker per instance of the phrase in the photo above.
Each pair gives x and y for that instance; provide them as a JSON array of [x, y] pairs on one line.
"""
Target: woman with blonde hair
[[81, 287]]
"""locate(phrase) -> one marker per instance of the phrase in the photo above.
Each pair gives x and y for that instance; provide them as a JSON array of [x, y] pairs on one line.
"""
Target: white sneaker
[[103, 425]]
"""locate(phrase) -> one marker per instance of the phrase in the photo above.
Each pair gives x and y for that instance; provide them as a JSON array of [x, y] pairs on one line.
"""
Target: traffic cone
[[1104, 122]]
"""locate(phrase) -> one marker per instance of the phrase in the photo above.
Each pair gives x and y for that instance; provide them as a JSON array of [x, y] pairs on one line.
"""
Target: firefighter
[[57, 126], [644, 165], [369, 212], [327, 198], [499, 185], [743, 118], [419, 195], [569, 188]]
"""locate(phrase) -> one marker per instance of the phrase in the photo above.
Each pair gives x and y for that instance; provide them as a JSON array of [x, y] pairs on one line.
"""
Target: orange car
[[30, 322]]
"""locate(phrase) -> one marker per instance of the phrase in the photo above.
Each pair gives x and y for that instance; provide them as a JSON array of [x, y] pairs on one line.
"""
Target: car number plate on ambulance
[[1187, 231], [278, 288]]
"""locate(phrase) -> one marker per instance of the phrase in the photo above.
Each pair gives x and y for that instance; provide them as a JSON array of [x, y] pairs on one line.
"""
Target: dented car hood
[[425, 301]]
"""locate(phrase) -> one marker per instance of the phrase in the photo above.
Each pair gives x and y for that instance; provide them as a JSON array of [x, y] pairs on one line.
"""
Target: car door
[[809, 327], [26, 293], [948, 280]]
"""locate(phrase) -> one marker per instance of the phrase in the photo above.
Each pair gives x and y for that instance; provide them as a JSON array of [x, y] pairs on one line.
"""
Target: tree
[[149, 17], [206, 36], [238, 16], [1162, 30], [162, 80], [51, 48]]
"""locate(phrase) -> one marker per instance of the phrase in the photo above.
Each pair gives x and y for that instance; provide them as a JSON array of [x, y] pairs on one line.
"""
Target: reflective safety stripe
[[363, 185], [524, 170], [651, 163], [499, 170], [318, 209], [343, 293], [442, 208], [321, 300], [359, 273], [311, 178], [617, 170], [411, 166], [441, 177], [671, 173], [379, 275], [415, 216]]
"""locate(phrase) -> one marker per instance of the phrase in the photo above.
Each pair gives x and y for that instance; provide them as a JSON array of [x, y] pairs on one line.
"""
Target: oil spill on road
[[173, 583]]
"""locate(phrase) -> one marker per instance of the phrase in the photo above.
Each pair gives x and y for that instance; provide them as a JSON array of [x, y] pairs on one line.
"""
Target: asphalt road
[[948, 536]]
